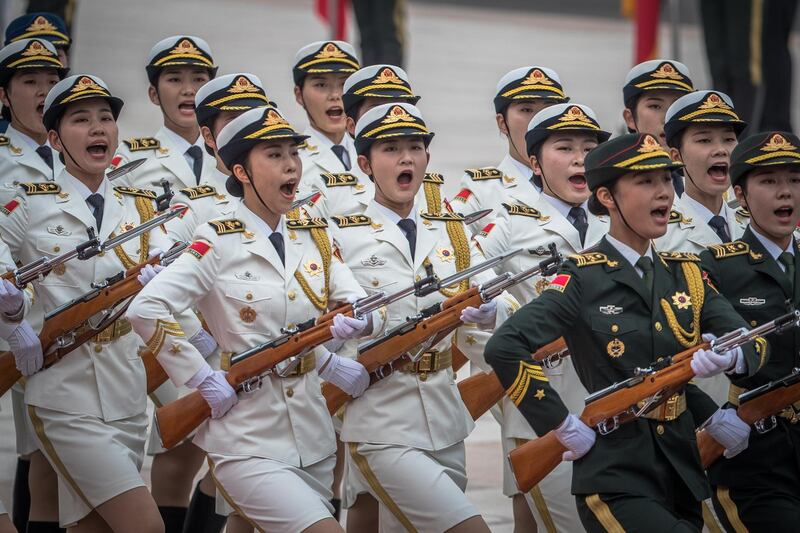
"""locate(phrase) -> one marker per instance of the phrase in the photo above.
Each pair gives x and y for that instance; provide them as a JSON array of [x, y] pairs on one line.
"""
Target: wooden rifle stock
[[764, 406], [67, 322], [532, 461], [558, 346]]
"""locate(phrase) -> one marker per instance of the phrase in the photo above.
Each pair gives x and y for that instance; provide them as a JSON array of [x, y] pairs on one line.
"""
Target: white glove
[[148, 272], [347, 374], [27, 349], [215, 389], [154, 252], [484, 316], [729, 430], [11, 298], [346, 327], [203, 342], [707, 363], [576, 436]]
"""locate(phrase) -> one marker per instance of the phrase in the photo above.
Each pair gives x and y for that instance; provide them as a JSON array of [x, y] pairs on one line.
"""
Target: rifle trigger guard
[[68, 339], [765, 425], [552, 361], [603, 427], [650, 402], [251, 385]]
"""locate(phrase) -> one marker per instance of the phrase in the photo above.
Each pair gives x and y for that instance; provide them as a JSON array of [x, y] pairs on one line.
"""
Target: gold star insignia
[[471, 340], [539, 394], [175, 348]]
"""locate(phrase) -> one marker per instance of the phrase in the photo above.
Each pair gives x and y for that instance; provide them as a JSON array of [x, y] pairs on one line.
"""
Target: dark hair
[[537, 179], [594, 205], [676, 140], [631, 106]]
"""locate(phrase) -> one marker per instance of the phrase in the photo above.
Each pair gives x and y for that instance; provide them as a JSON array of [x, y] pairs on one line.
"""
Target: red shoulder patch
[[486, 229], [559, 283], [115, 162], [9, 207], [463, 195], [199, 249]]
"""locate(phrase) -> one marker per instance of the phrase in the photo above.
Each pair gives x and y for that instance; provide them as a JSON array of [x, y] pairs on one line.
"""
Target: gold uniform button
[[291, 295], [753, 323], [660, 429], [56, 249], [423, 376], [98, 348], [375, 282], [248, 296], [659, 327], [101, 254], [289, 392], [659, 359], [614, 328]]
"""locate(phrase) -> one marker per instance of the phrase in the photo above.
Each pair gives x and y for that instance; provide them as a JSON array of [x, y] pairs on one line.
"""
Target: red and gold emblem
[[681, 300], [247, 314], [41, 24], [778, 143], [36, 48], [275, 119], [242, 85], [330, 51], [575, 113], [714, 101], [185, 46], [536, 77], [397, 114], [85, 83], [649, 144], [387, 75], [666, 71], [313, 268]]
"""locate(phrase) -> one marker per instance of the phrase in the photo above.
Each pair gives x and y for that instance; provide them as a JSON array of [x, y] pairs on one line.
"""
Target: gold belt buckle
[[671, 407]]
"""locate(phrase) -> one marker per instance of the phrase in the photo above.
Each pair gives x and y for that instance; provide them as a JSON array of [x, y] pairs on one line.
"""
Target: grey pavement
[[456, 55]]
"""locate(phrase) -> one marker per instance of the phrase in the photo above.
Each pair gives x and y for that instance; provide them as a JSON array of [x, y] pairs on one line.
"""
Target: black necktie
[[96, 201], [646, 264], [46, 154], [277, 241], [577, 216], [341, 153], [720, 227], [409, 228], [196, 153], [788, 261]]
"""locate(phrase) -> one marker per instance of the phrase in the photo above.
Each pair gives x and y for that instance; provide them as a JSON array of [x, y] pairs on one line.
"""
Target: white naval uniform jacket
[[318, 160], [688, 232], [105, 380], [21, 163], [405, 409], [534, 228], [246, 296], [207, 201], [490, 191], [164, 161]]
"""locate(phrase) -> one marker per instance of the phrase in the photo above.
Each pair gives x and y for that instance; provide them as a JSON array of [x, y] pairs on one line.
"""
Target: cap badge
[[649, 144], [397, 114], [778, 142], [274, 119], [242, 85], [41, 24], [387, 75], [536, 77], [575, 113], [36, 48], [714, 101], [85, 83], [666, 71], [185, 46], [330, 51]]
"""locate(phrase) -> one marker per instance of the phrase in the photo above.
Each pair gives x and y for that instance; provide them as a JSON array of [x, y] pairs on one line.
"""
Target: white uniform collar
[[180, 144], [261, 224], [393, 217], [628, 253], [702, 211], [523, 169], [771, 247], [80, 187], [33, 145], [563, 207], [324, 142]]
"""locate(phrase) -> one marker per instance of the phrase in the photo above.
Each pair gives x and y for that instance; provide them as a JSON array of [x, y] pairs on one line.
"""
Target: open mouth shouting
[[718, 173], [98, 150], [335, 113], [578, 182], [288, 190], [405, 179], [186, 108], [660, 215], [784, 214]]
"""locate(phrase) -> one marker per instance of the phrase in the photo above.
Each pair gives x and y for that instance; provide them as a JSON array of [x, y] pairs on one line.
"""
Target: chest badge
[[313, 268], [58, 230], [615, 348], [541, 285], [445, 254], [373, 261], [610, 309], [681, 300], [126, 226], [752, 301], [247, 314], [247, 276]]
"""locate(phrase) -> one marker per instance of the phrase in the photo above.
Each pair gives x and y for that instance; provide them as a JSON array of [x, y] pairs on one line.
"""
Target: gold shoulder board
[[524, 210], [447, 217], [136, 144], [44, 187], [433, 177], [350, 221], [4, 141], [729, 249], [592, 258], [133, 191], [487, 173], [677, 216], [679, 256], [201, 191], [741, 214], [307, 223], [223, 227], [344, 179]]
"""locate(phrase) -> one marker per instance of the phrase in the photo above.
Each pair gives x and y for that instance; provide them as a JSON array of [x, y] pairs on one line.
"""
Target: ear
[[208, 138], [501, 124], [627, 116], [298, 96], [533, 161], [675, 154], [605, 198], [152, 93], [55, 141], [364, 165], [350, 125], [737, 190], [241, 174]]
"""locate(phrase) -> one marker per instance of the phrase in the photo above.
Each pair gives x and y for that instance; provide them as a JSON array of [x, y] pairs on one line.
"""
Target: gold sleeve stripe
[[519, 388], [163, 328], [761, 350], [228, 499], [601, 511], [731, 511]]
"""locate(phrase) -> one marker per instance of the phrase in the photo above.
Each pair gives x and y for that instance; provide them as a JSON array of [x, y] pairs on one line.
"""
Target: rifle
[[179, 418], [72, 324], [430, 326], [128, 167], [617, 404], [757, 407]]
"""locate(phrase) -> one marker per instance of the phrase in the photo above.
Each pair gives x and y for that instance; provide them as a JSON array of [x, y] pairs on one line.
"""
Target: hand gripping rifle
[[619, 403], [406, 343]]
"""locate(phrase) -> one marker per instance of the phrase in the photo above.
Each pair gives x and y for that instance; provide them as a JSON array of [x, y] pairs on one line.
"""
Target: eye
[[654, 107]]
